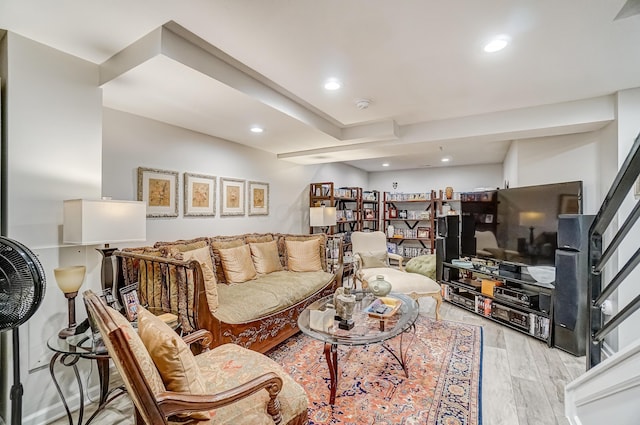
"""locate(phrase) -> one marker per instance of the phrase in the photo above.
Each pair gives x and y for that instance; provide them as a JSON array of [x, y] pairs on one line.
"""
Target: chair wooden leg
[[438, 297]]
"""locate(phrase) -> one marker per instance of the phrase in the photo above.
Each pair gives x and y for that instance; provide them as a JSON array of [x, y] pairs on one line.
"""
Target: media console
[[502, 294]]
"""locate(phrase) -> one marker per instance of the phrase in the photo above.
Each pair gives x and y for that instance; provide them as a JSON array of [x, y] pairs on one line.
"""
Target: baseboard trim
[[56, 411]]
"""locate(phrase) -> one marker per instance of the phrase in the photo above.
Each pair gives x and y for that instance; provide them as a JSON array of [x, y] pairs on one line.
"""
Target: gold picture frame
[[199, 195], [232, 196], [258, 196], [159, 191]]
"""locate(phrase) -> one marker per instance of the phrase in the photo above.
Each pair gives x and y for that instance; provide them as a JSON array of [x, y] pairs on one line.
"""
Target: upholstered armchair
[[371, 259], [168, 384]]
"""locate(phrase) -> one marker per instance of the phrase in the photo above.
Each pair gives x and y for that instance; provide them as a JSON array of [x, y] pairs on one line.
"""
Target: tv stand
[[502, 293]]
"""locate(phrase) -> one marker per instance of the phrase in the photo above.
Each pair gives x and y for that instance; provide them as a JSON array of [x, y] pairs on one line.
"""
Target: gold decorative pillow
[[218, 243], [172, 357], [373, 259], [203, 256], [303, 256], [237, 264], [265, 257]]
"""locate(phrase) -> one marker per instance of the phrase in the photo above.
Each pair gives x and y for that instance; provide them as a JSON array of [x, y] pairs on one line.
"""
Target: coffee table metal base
[[331, 355]]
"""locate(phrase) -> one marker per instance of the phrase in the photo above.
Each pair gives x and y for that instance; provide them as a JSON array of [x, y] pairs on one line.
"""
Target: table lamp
[[322, 216], [104, 221], [70, 280]]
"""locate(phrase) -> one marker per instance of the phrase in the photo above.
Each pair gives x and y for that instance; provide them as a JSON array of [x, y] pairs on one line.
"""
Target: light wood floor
[[522, 383]]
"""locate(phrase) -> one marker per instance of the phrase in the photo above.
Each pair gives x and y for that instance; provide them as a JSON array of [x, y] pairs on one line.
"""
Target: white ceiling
[[220, 66]]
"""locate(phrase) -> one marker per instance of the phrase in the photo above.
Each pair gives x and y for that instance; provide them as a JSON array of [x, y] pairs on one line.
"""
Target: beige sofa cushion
[[282, 248], [237, 264], [303, 256], [265, 257], [223, 242], [203, 257], [172, 356], [267, 294]]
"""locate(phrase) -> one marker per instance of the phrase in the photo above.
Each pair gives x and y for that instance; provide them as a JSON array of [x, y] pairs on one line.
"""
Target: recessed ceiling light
[[386, 164], [256, 129], [446, 159], [332, 84], [497, 44]]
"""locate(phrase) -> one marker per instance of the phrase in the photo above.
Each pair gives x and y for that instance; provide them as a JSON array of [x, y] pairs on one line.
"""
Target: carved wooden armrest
[[173, 403], [202, 336]]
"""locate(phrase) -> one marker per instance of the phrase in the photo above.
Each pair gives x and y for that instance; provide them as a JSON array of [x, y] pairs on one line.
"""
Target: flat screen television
[[519, 224]]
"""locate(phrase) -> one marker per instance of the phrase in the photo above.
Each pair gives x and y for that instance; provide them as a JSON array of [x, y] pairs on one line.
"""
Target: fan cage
[[21, 283]]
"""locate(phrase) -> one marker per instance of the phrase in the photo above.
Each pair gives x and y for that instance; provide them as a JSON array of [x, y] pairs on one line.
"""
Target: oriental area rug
[[443, 388]]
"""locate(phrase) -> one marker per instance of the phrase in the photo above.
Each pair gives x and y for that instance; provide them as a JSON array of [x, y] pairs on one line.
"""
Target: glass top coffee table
[[368, 329]]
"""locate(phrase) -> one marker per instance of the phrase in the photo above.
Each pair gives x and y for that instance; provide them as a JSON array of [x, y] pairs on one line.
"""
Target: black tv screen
[[518, 225]]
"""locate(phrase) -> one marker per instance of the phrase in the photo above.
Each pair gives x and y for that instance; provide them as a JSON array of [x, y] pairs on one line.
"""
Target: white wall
[[628, 105], [52, 152], [131, 141], [560, 159], [461, 178]]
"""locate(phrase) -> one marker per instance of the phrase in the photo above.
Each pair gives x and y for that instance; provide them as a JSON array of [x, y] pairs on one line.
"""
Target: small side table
[[69, 351]]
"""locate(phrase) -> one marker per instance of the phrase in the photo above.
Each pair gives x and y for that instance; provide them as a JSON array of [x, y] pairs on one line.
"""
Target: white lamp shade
[[70, 279], [93, 222], [322, 216]]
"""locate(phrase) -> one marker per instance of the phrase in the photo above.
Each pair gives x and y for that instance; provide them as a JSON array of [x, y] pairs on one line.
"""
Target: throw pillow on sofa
[[237, 264], [203, 256], [265, 257], [172, 356], [303, 256], [223, 242]]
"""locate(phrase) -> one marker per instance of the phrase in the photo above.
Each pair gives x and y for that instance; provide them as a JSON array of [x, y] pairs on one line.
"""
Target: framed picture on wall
[[231, 196], [159, 191], [258, 198], [199, 195]]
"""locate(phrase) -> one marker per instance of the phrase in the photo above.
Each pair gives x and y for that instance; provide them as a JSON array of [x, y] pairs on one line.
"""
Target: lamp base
[[67, 332], [71, 304]]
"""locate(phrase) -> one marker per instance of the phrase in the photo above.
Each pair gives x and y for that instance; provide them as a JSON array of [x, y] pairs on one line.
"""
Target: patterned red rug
[[443, 388]]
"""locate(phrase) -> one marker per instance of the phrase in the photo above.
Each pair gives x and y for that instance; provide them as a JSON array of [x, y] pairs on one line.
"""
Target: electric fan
[[22, 286]]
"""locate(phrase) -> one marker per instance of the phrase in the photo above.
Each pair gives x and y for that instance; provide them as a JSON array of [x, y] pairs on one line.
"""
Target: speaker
[[439, 258], [448, 226], [450, 248], [468, 245], [571, 304], [468, 226], [573, 231]]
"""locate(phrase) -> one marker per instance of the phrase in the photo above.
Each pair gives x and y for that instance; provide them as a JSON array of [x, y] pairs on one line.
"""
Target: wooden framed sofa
[[245, 289]]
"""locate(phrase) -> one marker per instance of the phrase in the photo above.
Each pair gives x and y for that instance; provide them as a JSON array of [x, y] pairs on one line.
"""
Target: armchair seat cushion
[[230, 365], [401, 281]]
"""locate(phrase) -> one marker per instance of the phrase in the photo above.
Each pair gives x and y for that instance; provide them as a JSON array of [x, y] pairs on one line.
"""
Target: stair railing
[[600, 256]]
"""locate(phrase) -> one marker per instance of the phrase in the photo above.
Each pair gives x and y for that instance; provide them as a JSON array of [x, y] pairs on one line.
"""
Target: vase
[[380, 287], [448, 192]]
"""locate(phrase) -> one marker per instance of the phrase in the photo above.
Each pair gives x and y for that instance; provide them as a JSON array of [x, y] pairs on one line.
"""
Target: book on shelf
[[392, 248]]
